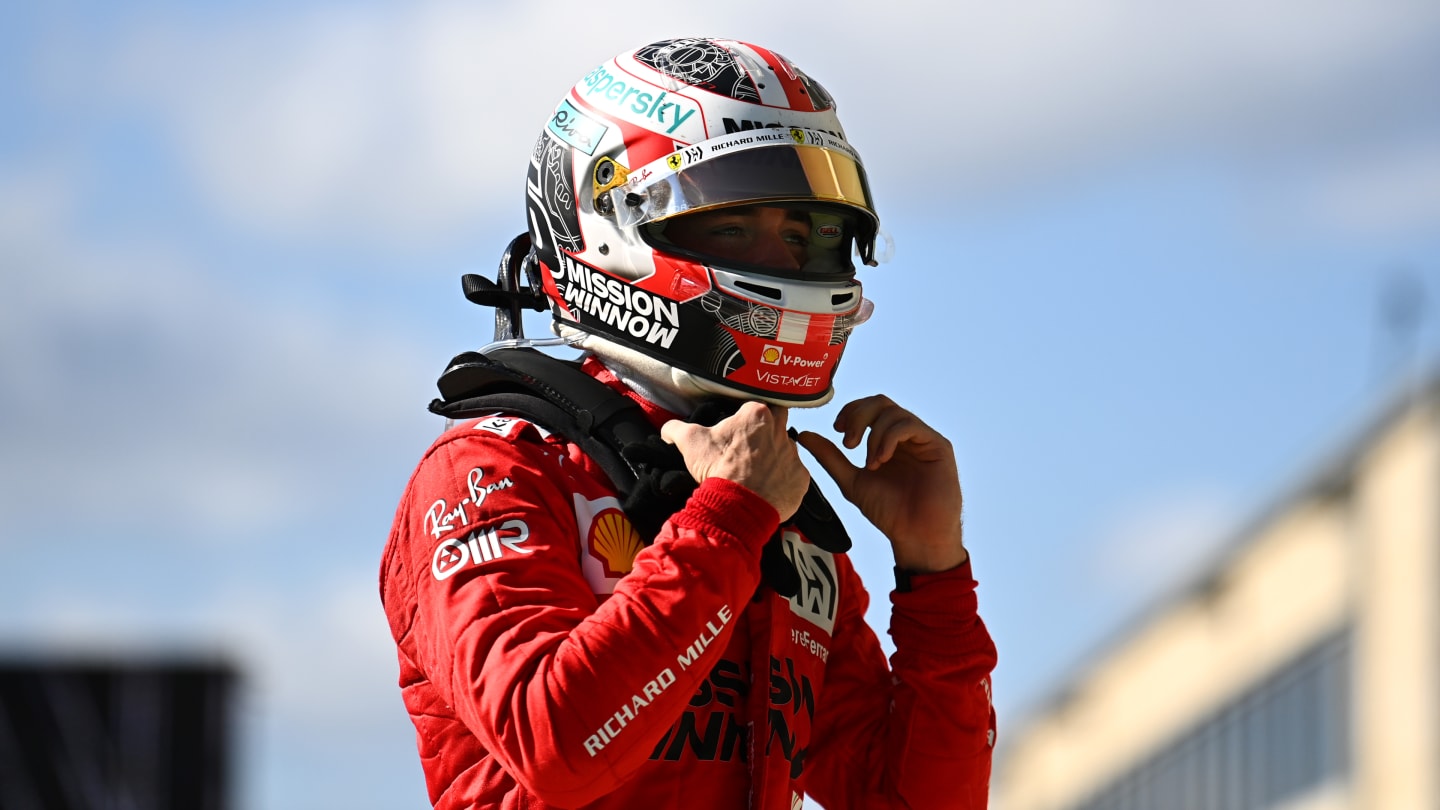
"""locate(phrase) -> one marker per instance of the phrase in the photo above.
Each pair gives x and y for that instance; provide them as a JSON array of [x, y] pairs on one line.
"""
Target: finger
[[894, 430], [771, 421], [858, 415], [759, 416], [780, 415], [832, 459], [889, 428], [747, 415]]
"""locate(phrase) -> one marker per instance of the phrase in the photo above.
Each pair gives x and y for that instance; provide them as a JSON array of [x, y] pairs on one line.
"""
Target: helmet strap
[[507, 294]]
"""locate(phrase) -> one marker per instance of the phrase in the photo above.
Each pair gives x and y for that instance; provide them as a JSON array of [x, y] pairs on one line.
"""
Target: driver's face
[[766, 236]]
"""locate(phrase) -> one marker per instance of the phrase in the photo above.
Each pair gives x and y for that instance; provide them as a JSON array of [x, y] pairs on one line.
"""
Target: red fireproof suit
[[548, 659]]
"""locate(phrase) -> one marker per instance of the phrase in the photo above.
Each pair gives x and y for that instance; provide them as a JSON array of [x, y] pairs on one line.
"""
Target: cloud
[[396, 126], [393, 125], [139, 390], [334, 625]]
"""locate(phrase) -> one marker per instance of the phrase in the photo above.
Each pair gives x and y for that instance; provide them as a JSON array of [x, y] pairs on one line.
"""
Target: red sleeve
[[568, 693], [922, 734]]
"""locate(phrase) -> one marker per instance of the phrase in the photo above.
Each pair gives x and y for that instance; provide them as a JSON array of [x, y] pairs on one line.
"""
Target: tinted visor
[[796, 240], [733, 170]]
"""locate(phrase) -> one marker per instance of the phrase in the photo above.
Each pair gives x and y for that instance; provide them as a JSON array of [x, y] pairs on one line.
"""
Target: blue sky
[[1139, 262]]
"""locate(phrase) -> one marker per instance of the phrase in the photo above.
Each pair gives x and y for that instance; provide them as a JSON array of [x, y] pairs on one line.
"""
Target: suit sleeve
[[569, 693], [920, 732]]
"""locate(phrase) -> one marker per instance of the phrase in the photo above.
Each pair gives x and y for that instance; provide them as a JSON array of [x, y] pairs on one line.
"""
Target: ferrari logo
[[797, 135], [674, 161]]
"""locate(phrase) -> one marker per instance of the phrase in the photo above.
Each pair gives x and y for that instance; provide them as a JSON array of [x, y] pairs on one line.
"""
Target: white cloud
[[400, 125], [138, 389], [390, 124]]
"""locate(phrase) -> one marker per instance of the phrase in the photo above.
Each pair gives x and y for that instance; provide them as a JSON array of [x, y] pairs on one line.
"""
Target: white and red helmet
[[684, 126]]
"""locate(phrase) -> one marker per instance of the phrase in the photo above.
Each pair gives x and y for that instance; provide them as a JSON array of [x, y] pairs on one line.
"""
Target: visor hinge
[[608, 175]]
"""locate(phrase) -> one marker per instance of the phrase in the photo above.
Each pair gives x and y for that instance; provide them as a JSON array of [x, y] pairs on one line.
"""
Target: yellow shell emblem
[[614, 542]]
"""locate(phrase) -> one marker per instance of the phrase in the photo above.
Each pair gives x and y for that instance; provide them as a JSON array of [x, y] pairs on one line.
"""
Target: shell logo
[[614, 542], [771, 355]]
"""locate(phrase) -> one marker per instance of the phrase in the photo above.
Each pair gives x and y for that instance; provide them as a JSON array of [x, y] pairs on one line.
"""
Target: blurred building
[[1301, 673], [115, 735]]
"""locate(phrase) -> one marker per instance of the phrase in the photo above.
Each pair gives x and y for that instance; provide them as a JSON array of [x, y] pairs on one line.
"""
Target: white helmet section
[[710, 88]]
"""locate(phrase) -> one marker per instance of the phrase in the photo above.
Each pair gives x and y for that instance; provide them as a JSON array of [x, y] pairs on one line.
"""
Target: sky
[[1154, 263]]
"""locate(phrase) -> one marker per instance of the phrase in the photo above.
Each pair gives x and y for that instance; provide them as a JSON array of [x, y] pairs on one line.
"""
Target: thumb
[[836, 465], [676, 431]]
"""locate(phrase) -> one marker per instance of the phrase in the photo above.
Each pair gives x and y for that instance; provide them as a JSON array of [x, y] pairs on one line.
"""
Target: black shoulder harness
[[554, 393], [648, 474]]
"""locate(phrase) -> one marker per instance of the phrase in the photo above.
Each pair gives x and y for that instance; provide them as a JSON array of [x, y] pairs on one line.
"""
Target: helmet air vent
[[772, 293]]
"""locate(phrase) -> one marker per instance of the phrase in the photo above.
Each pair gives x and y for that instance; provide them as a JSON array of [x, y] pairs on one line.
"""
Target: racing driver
[[695, 218]]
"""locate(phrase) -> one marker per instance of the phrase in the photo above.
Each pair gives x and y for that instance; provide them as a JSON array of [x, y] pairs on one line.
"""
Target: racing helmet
[[652, 141]]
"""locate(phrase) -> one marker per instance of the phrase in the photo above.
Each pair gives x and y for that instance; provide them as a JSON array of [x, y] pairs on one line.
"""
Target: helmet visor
[[758, 166], [806, 240]]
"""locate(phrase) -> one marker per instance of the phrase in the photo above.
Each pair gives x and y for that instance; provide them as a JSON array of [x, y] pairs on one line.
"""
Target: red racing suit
[[549, 659]]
